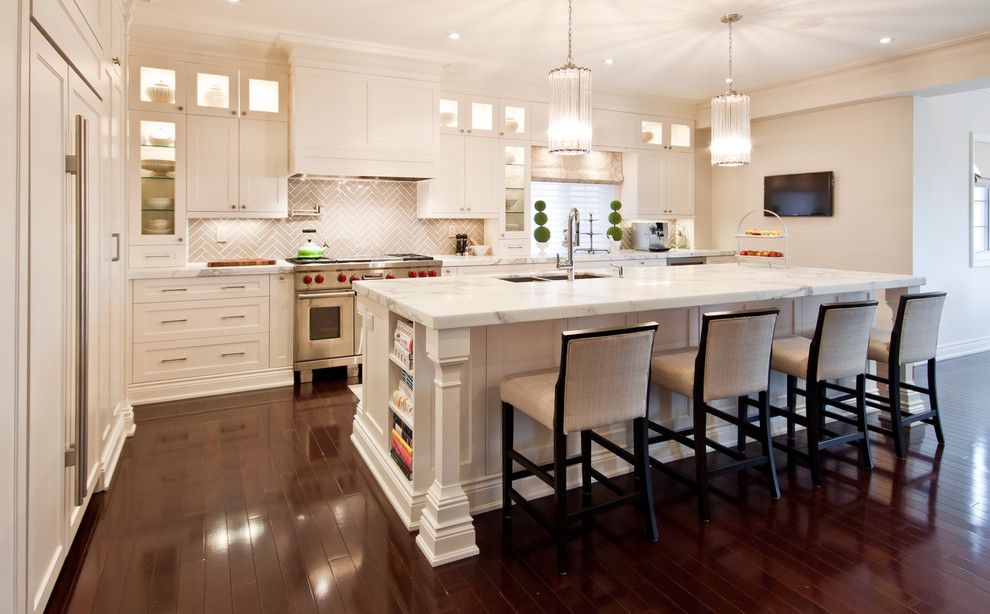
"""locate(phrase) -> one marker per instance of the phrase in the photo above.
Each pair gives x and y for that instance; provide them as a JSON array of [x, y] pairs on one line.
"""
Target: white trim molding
[[173, 390]]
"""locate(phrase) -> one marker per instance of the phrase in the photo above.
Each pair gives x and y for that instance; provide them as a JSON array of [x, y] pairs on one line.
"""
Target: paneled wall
[[356, 217]]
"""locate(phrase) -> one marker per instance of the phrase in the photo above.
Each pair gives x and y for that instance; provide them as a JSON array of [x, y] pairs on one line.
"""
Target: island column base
[[446, 530]]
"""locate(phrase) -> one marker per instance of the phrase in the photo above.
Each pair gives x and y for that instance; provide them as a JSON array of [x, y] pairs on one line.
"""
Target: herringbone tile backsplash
[[356, 218]]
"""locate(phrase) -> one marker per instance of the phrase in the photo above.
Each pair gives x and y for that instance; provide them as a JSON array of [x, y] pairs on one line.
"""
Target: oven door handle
[[308, 295]]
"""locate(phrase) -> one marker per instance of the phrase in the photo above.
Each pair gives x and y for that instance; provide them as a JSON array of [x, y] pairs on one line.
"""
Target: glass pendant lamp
[[731, 145], [569, 132]]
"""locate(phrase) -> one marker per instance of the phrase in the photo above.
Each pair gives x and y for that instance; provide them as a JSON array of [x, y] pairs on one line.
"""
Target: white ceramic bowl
[[162, 203], [160, 141], [159, 92], [479, 250], [159, 167]]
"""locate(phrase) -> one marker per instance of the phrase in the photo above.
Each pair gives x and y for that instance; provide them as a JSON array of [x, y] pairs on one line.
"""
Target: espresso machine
[[652, 235]]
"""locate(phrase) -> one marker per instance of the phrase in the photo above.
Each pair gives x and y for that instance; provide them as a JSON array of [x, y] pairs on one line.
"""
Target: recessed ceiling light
[[886, 40], [609, 61], [454, 36]]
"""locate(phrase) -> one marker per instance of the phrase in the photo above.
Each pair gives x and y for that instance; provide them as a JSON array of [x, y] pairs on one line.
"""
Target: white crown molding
[[339, 54], [905, 74], [205, 48]]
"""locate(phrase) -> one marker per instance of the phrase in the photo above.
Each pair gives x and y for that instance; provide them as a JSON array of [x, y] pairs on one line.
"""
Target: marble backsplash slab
[[356, 217]]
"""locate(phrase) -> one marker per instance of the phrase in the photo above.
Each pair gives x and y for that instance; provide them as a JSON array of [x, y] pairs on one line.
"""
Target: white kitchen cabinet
[[663, 184], [236, 167], [467, 184], [263, 168], [350, 124], [665, 134], [81, 29], [211, 163], [281, 311], [157, 191], [480, 116], [612, 129], [212, 89], [263, 94], [156, 84], [515, 214]]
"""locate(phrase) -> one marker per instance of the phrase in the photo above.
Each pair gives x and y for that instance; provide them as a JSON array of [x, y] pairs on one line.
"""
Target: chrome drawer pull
[[174, 289], [233, 317], [233, 287], [183, 359], [226, 354], [174, 321], [158, 255]]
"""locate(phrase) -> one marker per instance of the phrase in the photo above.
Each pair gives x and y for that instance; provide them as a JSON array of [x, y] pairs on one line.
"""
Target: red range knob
[[320, 279], [422, 273], [342, 278], [355, 278], [390, 276], [412, 273], [433, 273], [307, 279]]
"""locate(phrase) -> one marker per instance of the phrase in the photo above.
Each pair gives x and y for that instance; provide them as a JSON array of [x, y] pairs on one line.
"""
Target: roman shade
[[595, 167]]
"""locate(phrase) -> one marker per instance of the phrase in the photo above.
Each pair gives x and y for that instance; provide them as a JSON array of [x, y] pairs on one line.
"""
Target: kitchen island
[[435, 450]]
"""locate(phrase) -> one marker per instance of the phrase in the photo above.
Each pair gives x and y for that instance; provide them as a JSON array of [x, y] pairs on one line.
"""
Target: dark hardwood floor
[[258, 503]]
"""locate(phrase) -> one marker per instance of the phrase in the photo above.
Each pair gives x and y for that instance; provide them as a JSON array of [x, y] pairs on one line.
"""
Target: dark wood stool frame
[[639, 459], [696, 437], [892, 402], [818, 403]]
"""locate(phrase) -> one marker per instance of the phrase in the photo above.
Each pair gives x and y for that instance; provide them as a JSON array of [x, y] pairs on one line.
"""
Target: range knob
[[390, 276], [433, 273], [422, 273], [412, 273], [355, 278], [342, 278], [307, 280], [320, 279]]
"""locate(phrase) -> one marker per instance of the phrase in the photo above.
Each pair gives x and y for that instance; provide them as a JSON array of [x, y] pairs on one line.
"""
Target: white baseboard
[[123, 427], [407, 503], [173, 390], [963, 348]]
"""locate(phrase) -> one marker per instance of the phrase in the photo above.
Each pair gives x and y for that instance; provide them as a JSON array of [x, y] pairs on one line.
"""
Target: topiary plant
[[614, 218], [541, 233]]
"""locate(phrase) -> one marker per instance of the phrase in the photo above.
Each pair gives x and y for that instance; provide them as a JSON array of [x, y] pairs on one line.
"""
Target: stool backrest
[[841, 340], [734, 353], [915, 334], [604, 376]]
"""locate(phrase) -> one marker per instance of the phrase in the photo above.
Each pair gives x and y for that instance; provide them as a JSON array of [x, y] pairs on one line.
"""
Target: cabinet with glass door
[[483, 116], [667, 134], [157, 179], [514, 218]]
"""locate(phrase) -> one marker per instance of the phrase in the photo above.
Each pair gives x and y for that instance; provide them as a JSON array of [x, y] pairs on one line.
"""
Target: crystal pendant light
[[569, 133], [731, 145]]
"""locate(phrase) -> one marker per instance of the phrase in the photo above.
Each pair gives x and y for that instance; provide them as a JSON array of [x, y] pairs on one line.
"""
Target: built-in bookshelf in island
[[401, 403]]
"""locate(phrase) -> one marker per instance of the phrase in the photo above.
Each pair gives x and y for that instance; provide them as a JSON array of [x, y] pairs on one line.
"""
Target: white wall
[[869, 147], [942, 127]]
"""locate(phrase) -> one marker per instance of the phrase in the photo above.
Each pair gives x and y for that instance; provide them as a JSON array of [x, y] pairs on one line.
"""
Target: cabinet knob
[[116, 61], [469, 208], [180, 239], [469, 131], [243, 112], [462, 130], [179, 107], [233, 206], [233, 112], [501, 134]]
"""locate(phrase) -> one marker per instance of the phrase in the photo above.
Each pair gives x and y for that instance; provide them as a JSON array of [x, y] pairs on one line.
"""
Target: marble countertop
[[626, 254], [455, 302], [199, 269]]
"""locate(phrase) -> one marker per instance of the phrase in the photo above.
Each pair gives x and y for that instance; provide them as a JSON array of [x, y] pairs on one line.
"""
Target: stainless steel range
[[329, 331]]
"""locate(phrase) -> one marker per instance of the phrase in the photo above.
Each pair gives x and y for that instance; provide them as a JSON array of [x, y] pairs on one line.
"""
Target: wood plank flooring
[[257, 502]]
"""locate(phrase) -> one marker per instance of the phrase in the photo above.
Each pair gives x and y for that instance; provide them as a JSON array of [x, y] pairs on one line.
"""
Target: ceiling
[[674, 48]]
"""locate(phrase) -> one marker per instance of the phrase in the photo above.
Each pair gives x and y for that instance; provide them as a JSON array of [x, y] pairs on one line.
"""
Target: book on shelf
[[404, 335], [403, 399], [403, 355]]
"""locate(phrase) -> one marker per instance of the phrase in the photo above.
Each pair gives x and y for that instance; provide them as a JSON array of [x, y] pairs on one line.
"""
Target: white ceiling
[[673, 48]]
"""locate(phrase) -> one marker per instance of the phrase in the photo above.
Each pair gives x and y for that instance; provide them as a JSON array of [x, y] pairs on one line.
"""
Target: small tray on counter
[[242, 262]]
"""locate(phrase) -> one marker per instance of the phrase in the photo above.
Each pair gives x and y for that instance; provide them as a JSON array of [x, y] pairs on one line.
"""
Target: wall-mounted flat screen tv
[[803, 194]]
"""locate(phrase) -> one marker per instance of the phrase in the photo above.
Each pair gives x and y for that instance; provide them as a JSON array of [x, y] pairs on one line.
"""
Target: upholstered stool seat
[[914, 339], [732, 361], [603, 379], [837, 351]]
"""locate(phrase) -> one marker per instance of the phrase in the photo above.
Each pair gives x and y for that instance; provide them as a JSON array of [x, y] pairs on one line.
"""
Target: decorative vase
[[159, 92], [215, 97], [541, 249], [511, 125], [614, 247]]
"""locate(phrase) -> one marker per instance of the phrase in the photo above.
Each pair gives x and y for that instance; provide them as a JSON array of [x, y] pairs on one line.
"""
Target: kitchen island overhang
[[467, 333]]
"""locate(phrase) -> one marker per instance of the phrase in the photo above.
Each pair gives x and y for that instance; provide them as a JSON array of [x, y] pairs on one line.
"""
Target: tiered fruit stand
[[765, 244]]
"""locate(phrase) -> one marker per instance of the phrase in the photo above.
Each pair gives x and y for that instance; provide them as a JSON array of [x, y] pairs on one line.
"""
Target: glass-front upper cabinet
[[666, 134], [157, 85], [515, 120], [214, 89], [514, 215], [264, 95], [157, 178], [483, 116]]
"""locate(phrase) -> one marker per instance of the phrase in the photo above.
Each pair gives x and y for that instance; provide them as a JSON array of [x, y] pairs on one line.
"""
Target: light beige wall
[[869, 147], [702, 189], [942, 127]]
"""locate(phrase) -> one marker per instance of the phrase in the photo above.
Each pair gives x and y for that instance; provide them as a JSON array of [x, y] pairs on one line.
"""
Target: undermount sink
[[517, 279]]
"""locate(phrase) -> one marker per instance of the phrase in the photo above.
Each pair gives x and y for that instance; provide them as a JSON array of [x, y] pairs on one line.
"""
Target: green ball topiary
[[615, 205], [541, 218], [539, 205], [614, 218], [615, 233], [542, 234]]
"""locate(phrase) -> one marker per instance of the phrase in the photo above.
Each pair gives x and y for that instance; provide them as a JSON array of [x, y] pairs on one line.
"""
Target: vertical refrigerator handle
[[82, 303]]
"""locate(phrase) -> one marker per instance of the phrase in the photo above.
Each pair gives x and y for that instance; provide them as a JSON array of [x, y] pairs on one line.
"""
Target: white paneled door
[[482, 173], [212, 164], [263, 167]]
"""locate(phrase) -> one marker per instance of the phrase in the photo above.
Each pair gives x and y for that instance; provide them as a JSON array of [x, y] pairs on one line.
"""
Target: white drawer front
[[193, 288], [513, 247], [156, 256], [167, 360], [170, 321]]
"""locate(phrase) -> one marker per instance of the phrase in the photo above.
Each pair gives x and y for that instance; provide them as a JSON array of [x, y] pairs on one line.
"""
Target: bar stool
[[913, 340], [732, 361], [836, 351], [603, 379]]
